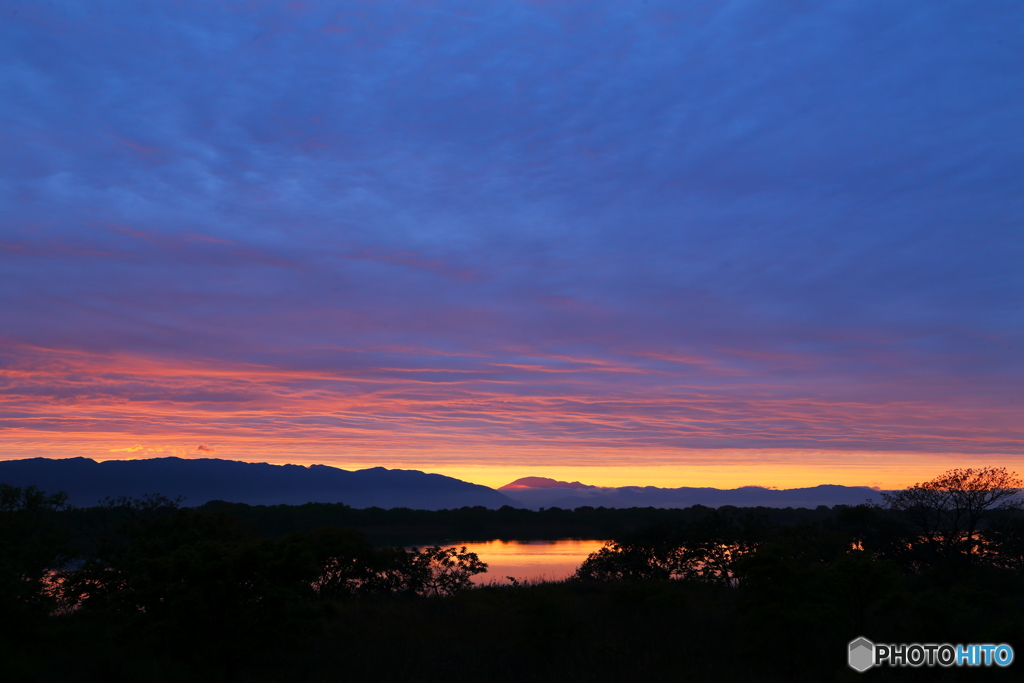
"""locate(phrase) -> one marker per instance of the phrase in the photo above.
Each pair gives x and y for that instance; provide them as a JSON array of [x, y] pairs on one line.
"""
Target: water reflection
[[530, 560]]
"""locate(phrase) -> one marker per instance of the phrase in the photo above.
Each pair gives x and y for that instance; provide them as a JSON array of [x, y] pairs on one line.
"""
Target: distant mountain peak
[[543, 483]]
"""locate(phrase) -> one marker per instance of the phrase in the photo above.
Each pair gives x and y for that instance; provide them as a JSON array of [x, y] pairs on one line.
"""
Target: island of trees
[[146, 590]]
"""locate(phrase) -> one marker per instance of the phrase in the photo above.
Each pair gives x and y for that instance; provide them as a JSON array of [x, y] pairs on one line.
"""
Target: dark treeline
[[403, 526], [147, 591]]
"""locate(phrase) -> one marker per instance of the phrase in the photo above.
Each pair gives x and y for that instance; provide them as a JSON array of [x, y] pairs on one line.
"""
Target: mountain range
[[201, 480], [538, 492]]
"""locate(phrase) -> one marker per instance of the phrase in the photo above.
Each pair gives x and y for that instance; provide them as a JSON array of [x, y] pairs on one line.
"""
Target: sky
[[713, 243]]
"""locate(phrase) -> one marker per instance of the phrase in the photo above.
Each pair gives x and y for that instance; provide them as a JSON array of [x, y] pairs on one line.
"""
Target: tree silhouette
[[32, 544], [949, 511], [345, 559], [434, 571], [446, 571], [703, 549], [197, 585]]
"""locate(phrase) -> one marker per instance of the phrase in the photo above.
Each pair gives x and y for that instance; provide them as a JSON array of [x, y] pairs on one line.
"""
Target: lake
[[530, 560]]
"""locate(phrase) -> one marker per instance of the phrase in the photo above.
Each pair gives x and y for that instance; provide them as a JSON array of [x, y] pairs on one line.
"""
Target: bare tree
[[950, 510]]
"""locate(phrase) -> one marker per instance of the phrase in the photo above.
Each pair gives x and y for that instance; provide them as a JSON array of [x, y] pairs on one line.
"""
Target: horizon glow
[[719, 244]]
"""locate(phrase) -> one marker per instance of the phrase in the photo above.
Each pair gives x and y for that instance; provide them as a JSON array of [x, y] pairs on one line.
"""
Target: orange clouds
[[488, 420], [594, 409], [130, 449]]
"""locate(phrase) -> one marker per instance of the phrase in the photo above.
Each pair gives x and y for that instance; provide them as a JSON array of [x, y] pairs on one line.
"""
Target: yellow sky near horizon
[[664, 468]]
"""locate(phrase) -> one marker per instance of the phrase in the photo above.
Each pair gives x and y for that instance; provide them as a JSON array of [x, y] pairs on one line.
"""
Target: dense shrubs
[[200, 587]]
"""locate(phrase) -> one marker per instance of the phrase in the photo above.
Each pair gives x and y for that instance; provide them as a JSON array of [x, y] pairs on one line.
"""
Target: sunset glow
[[708, 244], [531, 561]]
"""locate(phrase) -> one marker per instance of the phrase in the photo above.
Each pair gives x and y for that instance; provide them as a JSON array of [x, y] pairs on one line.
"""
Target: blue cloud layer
[[823, 198]]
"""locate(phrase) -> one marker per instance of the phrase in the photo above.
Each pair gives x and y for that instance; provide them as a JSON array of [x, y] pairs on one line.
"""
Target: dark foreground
[[650, 631], [143, 591]]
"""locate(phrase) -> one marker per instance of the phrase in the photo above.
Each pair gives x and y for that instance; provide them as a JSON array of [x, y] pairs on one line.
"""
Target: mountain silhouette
[[542, 483], [201, 480], [574, 496], [204, 479]]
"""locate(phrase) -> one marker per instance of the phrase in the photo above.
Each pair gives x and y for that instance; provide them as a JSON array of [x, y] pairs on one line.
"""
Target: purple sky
[[604, 233]]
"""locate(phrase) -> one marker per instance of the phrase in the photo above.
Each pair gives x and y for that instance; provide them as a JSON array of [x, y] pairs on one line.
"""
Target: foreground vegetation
[[145, 591]]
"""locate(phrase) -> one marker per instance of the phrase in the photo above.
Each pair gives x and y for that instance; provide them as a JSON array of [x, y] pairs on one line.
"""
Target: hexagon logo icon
[[862, 654]]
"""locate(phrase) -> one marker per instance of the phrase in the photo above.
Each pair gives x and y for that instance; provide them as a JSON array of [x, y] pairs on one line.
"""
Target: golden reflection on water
[[530, 560]]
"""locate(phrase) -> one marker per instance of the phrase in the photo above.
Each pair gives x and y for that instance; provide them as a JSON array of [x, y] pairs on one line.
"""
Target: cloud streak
[[366, 404]]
